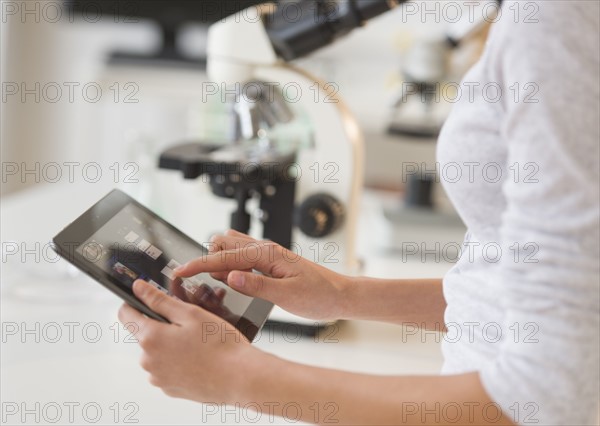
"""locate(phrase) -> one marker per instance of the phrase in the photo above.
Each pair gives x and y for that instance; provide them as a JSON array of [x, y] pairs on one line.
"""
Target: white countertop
[[78, 366]]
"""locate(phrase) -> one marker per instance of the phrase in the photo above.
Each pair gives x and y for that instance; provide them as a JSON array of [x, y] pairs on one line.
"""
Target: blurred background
[[67, 47]]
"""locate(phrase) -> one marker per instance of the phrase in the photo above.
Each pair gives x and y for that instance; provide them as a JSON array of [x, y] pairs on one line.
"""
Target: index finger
[[228, 241], [256, 255]]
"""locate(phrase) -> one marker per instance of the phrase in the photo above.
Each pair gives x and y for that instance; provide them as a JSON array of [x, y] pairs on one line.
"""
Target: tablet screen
[[134, 244]]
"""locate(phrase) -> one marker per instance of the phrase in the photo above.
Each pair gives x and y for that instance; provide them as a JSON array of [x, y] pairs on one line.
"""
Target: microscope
[[308, 196]]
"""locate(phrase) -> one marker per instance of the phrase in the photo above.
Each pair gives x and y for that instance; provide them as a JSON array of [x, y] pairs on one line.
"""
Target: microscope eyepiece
[[299, 27]]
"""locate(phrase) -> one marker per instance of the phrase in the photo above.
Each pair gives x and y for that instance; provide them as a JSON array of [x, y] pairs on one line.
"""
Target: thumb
[[256, 285], [159, 302]]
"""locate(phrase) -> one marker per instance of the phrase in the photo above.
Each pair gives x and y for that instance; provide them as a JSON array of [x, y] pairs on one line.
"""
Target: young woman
[[538, 200]]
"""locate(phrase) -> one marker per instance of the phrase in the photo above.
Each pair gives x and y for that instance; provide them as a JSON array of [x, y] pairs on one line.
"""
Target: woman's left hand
[[199, 356]]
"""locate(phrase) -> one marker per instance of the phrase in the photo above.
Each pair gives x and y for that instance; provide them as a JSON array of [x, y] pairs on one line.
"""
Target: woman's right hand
[[288, 280]]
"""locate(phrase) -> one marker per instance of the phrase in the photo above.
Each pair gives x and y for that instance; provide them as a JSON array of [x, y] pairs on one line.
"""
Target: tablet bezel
[[86, 225]]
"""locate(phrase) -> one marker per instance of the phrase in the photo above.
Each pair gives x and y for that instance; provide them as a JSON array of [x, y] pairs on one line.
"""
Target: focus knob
[[320, 215]]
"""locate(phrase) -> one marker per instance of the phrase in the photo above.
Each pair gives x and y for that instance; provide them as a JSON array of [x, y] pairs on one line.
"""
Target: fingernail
[[236, 279], [139, 287], [180, 268]]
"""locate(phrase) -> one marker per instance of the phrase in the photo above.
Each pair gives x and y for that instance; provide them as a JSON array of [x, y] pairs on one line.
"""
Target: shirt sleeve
[[547, 370]]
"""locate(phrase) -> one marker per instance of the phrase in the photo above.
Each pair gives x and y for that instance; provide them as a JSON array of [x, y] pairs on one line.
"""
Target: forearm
[[328, 396], [418, 301]]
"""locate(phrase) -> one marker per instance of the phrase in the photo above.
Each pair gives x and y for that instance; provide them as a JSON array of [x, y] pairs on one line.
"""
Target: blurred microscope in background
[[432, 69]]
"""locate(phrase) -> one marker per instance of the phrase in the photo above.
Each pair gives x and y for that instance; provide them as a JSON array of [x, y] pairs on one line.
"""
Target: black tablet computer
[[118, 240]]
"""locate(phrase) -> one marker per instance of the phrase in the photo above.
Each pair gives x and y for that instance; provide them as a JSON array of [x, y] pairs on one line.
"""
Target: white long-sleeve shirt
[[519, 157]]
